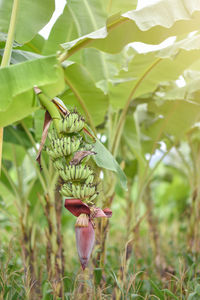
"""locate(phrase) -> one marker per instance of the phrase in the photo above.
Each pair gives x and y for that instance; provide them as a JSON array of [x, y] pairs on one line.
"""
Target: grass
[[134, 275]]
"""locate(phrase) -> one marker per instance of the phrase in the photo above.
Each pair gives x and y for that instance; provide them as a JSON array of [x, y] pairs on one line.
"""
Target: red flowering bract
[[85, 236]]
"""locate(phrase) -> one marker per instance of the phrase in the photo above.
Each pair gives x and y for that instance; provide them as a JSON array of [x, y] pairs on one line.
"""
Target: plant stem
[[51, 108], [9, 42], [147, 176], [1, 145], [145, 179], [118, 131], [7, 54]]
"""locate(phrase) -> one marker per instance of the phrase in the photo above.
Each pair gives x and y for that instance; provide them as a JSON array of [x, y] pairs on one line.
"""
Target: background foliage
[[144, 107]]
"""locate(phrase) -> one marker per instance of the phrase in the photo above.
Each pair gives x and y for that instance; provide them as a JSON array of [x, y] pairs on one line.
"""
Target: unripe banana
[[68, 122], [72, 129], [83, 173], [66, 190], [58, 148], [82, 193], [89, 179], [72, 172], [79, 171], [68, 173], [61, 146], [87, 190], [78, 190], [63, 175], [93, 196], [55, 147], [71, 123], [58, 164], [49, 135], [72, 117], [68, 147]]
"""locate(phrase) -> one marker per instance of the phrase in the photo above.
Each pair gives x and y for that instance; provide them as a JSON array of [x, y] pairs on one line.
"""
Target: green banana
[[58, 164]]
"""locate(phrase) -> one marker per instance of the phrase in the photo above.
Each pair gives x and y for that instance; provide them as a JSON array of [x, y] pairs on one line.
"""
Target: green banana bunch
[[79, 191], [64, 146], [73, 122], [79, 172], [79, 178]]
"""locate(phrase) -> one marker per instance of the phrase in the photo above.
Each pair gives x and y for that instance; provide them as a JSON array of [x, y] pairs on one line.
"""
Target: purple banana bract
[[85, 234]]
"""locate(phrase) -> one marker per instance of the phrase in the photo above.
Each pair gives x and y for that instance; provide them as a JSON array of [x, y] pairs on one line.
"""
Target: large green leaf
[[147, 71], [21, 56], [133, 138], [176, 117], [102, 66], [39, 116], [22, 77], [35, 45], [119, 7], [22, 106], [165, 115], [85, 93], [8, 152], [3, 39], [151, 24], [78, 18], [104, 159], [188, 92], [15, 135], [188, 44], [32, 16], [132, 144]]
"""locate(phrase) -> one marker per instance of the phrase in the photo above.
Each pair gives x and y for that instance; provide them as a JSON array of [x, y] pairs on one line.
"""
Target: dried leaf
[[47, 122], [78, 157]]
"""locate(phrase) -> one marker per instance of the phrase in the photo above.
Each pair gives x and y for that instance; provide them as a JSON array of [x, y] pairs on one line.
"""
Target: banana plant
[[70, 149]]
